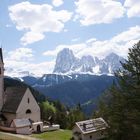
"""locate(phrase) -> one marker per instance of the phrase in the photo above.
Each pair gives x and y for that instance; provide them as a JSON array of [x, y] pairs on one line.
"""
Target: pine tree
[[123, 109]]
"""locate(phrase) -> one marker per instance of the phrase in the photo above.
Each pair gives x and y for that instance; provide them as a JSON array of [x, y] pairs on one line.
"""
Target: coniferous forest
[[120, 105]]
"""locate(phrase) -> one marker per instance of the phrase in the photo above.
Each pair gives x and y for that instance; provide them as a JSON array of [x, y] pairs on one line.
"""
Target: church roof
[[1, 56], [13, 97], [93, 125], [2, 117]]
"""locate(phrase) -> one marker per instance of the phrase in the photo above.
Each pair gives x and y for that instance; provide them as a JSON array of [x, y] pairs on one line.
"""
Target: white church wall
[[24, 130], [28, 103]]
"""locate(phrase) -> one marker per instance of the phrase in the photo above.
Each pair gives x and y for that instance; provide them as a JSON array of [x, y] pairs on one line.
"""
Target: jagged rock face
[[111, 63], [66, 62], [87, 62]]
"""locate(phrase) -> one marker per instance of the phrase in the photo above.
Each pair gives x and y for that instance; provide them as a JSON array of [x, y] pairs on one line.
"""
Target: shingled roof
[[92, 125], [13, 97]]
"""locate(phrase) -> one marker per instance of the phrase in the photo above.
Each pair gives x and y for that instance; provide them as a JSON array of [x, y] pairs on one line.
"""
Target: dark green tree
[[75, 115], [47, 110], [122, 110], [61, 115]]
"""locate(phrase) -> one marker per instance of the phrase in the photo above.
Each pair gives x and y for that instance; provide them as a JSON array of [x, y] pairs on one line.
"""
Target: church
[[19, 110]]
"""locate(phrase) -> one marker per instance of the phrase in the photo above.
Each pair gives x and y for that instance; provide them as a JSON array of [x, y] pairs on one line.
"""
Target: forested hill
[[77, 91]]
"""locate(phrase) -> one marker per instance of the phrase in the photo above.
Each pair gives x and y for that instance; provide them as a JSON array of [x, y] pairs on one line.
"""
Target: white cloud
[[51, 53], [91, 40], [35, 20], [98, 11], [131, 34], [31, 37], [118, 44], [42, 68], [20, 54], [20, 60], [57, 3], [133, 8], [16, 67], [75, 39], [75, 47]]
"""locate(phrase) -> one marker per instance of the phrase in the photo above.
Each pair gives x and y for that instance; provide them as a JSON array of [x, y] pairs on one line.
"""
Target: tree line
[[56, 112], [120, 105]]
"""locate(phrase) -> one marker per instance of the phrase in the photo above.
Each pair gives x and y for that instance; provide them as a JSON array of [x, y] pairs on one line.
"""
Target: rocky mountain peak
[[112, 57], [66, 62]]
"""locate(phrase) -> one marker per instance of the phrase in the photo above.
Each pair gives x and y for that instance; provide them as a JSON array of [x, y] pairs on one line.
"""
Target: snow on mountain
[[66, 62]]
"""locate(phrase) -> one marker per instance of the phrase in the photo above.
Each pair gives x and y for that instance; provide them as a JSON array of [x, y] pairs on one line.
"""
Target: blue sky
[[32, 32]]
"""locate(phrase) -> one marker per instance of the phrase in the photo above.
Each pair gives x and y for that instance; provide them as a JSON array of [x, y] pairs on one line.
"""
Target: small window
[[0, 70], [28, 111], [28, 100], [102, 133], [90, 137]]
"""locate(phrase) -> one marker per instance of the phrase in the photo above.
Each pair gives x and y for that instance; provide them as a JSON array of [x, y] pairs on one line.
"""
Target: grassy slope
[[9, 137], [55, 135]]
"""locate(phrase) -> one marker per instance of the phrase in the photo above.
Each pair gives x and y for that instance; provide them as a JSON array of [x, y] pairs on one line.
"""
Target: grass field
[[55, 135], [9, 137]]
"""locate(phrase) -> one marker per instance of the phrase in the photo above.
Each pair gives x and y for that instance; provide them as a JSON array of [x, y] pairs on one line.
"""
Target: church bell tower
[[1, 79]]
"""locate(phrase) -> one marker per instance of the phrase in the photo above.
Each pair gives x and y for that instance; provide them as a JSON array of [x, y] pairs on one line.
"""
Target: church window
[[28, 100], [28, 111], [90, 136]]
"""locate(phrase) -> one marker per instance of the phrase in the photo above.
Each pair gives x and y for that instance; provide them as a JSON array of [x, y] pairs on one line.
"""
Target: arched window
[[28, 111]]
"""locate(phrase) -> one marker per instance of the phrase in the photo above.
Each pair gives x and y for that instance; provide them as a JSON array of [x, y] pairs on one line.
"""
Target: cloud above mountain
[[118, 44], [133, 8], [21, 59], [57, 3], [20, 54], [98, 11], [36, 20]]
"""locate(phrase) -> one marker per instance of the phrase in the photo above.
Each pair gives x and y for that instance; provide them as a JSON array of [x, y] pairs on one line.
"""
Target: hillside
[[71, 89], [85, 91]]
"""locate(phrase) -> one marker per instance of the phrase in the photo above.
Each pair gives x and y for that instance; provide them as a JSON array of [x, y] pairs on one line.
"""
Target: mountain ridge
[[67, 63]]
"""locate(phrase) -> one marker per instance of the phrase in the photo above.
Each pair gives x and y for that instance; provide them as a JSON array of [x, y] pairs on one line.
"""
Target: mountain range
[[74, 80], [71, 89], [66, 62]]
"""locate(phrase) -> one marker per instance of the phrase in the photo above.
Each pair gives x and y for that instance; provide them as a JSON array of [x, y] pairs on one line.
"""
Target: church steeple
[[1, 79]]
